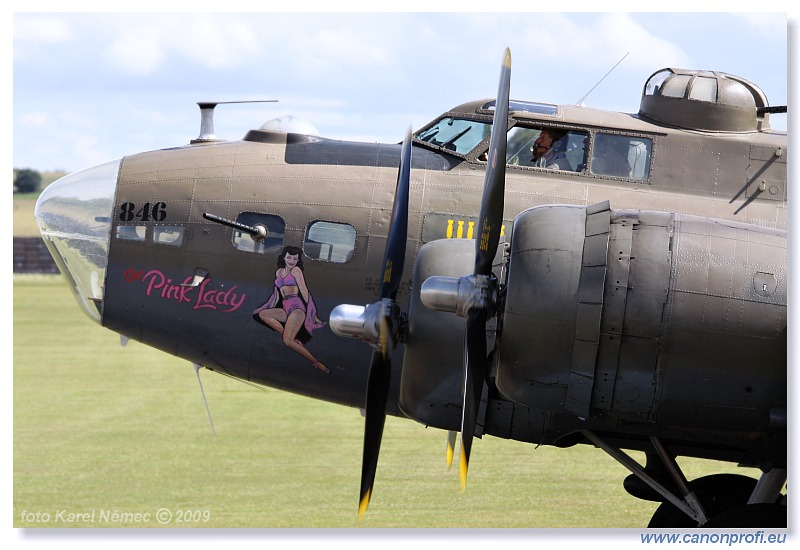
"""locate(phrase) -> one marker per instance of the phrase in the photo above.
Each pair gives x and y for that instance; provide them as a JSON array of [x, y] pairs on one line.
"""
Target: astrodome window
[[676, 86], [330, 241], [704, 89], [656, 82], [704, 100]]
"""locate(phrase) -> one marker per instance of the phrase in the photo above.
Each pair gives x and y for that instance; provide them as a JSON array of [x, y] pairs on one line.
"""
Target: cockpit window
[[459, 135], [526, 107], [563, 149], [621, 156]]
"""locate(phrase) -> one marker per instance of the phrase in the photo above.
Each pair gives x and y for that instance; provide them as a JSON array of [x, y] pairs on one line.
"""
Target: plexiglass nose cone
[[74, 218]]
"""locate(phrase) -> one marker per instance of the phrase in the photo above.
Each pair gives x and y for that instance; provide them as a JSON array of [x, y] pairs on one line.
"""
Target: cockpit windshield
[[459, 135]]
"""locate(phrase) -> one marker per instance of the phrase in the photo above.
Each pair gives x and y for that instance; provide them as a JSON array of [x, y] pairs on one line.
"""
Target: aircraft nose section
[[74, 218]]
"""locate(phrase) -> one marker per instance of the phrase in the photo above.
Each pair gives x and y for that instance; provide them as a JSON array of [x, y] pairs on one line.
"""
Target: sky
[[91, 87]]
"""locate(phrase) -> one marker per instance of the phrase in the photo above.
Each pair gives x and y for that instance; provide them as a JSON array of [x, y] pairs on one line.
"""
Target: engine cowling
[[433, 363], [670, 320]]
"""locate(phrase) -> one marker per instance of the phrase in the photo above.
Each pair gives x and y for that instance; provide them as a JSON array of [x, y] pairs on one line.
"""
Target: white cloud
[[334, 48], [50, 30], [34, 35], [79, 120], [229, 43], [34, 120], [137, 52], [605, 39], [204, 40], [769, 26]]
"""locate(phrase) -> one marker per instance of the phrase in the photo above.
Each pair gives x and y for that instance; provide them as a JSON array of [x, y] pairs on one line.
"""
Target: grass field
[[100, 428], [24, 223]]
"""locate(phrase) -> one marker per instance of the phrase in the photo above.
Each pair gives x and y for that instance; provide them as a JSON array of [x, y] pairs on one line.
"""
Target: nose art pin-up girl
[[290, 310]]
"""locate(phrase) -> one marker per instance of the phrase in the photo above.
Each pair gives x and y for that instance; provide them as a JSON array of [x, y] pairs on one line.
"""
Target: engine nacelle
[[433, 362], [670, 320]]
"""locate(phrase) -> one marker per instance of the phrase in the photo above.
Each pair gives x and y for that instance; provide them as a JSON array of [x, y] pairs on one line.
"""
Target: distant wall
[[31, 256]]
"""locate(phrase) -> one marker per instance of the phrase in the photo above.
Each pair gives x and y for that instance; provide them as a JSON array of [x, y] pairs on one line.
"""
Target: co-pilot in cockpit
[[551, 148], [621, 156]]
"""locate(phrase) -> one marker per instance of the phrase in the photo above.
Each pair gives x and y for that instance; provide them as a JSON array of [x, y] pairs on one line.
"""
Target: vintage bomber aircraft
[[572, 276]]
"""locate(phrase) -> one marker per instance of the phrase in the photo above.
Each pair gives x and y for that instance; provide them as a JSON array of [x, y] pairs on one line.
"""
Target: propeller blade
[[377, 394], [381, 367], [451, 447], [491, 215], [489, 222], [395, 254], [474, 375], [384, 343]]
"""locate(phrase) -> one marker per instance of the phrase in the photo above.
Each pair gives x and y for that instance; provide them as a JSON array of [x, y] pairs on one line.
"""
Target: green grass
[[24, 222], [98, 427]]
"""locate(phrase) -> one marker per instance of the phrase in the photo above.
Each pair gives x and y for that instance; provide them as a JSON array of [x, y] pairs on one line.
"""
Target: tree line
[[27, 180]]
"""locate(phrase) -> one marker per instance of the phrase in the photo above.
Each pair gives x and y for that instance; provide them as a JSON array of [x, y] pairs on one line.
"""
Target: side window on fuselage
[[330, 241], [132, 232], [168, 235], [271, 244]]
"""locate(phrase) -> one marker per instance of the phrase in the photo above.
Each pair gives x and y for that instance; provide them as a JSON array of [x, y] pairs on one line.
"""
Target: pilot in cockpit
[[549, 150]]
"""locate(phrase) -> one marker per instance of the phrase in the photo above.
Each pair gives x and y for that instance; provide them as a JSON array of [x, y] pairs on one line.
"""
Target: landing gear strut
[[719, 500]]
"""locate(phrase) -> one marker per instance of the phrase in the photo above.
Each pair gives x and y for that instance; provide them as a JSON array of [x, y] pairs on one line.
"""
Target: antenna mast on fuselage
[[581, 100]]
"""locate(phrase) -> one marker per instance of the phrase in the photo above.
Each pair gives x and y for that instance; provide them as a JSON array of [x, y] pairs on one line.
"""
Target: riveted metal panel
[[598, 223], [587, 327], [618, 272], [613, 318], [634, 391], [762, 152], [581, 378], [766, 173], [592, 284], [539, 316], [595, 249], [589, 310], [606, 371]]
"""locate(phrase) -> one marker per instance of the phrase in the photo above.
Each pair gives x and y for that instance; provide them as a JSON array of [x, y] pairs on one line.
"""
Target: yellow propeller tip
[[362, 506], [463, 467]]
